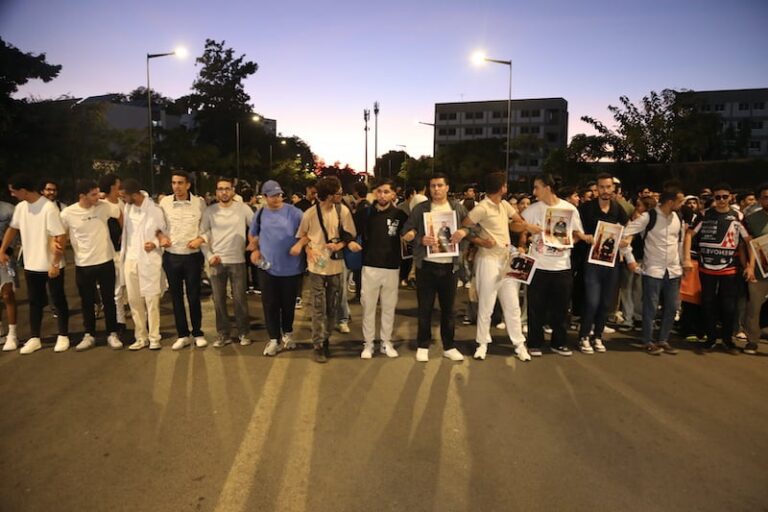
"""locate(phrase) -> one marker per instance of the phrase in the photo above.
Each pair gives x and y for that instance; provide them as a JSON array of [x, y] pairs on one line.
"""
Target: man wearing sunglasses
[[720, 233]]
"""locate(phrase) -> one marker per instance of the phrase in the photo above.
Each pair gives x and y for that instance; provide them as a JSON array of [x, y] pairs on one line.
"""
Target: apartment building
[[545, 119]]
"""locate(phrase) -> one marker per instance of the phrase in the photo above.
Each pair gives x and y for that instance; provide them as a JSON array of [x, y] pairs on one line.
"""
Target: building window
[[760, 105], [525, 113], [499, 130], [447, 131], [473, 131], [469, 115], [706, 107], [551, 137], [535, 129], [499, 114], [536, 113], [448, 116], [743, 106], [533, 162], [757, 125], [524, 129], [754, 145], [719, 107]]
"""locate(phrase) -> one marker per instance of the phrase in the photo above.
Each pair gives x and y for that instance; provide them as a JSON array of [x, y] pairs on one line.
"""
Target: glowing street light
[[179, 52], [479, 58]]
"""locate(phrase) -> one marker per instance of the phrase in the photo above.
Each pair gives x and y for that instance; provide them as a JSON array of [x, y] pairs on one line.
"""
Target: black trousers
[[36, 287], [718, 300], [549, 296], [87, 278], [436, 279], [278, 297], [184, 271]]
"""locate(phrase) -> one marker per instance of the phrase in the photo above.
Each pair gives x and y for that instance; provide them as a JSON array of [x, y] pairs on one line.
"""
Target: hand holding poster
[[440, 226], [522, 268], [606, 242], [760, 247], [557, 228]]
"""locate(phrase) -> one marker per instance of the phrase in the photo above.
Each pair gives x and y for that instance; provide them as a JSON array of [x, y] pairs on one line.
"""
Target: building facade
[[744, 113], [542, 121]]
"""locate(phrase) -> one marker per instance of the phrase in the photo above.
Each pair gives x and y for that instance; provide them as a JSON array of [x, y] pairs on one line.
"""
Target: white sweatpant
[[143, 309], [490, 285], [379, 283]]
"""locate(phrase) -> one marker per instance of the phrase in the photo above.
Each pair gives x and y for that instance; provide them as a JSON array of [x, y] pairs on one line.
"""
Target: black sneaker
[[751, 349], [320, 356], [327, 349], [562, 350], [653, 349], [667, 348], [732, 349]]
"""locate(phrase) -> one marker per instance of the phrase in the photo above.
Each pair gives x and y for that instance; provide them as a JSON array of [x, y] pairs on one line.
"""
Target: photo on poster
[[441, 226], [557, 228], [605, 246], [522, 268], [406, 250], [760, 248]]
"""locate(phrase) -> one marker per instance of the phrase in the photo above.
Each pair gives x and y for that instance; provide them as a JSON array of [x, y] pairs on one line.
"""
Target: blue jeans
[[669, 290], [599, 290]]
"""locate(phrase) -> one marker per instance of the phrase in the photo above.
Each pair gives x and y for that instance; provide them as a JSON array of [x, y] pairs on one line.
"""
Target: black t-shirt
[[591, 213], [304, 204], [381, 236]]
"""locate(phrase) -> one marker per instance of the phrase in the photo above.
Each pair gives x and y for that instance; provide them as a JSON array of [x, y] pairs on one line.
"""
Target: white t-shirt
[[88, 232], [36, 222], [446, 207], [549, 258], [494, 220], [225, 230]]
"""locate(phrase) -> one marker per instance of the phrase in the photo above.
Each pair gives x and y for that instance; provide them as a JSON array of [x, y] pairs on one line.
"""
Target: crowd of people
[[591, 256]]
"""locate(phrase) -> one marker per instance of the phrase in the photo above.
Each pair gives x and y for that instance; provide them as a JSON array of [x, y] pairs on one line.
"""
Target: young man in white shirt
[[662, 267], [86, 225], [37, 220], [224, 226], [111, 191], [182, 259], [549, 294], [141, 256], [493, 216]]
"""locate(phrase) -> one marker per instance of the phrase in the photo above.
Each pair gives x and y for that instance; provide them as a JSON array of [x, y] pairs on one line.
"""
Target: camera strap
[[322, 223]]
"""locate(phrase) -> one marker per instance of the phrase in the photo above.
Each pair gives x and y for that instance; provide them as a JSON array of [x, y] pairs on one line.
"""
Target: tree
[[469, 161], [389, 164], [346, 174], [219, 96]]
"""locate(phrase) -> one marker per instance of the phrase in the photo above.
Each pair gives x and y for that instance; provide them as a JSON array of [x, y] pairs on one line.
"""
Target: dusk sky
[[322, 63]]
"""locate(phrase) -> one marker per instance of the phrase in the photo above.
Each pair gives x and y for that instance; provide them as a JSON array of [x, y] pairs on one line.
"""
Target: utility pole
[[366, 117], [375, 134]]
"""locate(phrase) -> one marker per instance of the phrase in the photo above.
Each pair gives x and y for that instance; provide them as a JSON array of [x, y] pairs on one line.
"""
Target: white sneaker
[[481, 351], [388, 349], [244, 340], [298, 303], [453, 354], [501, 326], [220, 342], [32, 345], [155, 345], [62, 344], [522, 353], [343, 328], [422, 355], [11, 343], [201, 342], [271, 348], [547, 329], [138, 345], [181, 343], [114, 342], [525, 329], [367, 352], [599, 347], [87, 342], [608, 330], [288, 343], [585, 346]]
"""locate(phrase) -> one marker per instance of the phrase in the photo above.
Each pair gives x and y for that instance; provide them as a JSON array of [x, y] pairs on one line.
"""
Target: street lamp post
[[434, 153], [180, 52], [375, 133], [255, 119], [366, 117], [480, 58]]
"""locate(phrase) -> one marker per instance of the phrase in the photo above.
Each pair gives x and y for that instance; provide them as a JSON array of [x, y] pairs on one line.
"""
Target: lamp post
[[375, 133], [181, 53], [255, 119], [282, 142], [434, 153], [480, 58]]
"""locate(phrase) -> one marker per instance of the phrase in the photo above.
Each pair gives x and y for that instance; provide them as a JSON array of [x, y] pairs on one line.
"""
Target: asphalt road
[[232, 430]]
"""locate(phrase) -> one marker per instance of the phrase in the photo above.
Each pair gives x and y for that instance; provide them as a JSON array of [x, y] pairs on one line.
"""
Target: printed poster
[[760, 247], [605, 246], [557, 228], [441, 226], [522, 268]]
